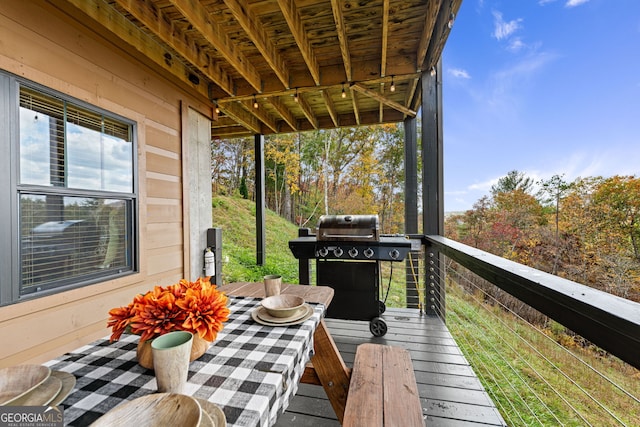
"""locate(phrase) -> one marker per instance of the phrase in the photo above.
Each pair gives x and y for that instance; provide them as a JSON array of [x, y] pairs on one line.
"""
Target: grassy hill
[[236, 217]]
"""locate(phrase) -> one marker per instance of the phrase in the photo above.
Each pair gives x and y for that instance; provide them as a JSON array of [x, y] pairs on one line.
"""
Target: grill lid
[[348, 227]]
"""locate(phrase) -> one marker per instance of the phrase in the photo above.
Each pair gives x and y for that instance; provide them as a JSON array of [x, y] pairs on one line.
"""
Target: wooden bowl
[[282, 305], [160, 409], [16, 381]]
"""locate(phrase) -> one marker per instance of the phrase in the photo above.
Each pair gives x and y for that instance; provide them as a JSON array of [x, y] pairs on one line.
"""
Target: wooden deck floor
[[450, 391]]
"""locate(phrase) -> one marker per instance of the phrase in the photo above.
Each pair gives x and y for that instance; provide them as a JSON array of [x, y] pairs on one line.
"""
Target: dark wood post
[[260, 199], [432, 187]]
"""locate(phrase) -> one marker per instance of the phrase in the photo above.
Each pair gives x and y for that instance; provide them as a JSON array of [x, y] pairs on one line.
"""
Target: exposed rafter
[[385, 37], [308, 113], [412, 97], [155, 21], [356, 110], [249, 121], [261, 114], [291, 15], [375, 95], [251, 24], [198, 16], [427, 32], [230, 51], [331, 108], [336, 5], [145, 46], [284, 112]]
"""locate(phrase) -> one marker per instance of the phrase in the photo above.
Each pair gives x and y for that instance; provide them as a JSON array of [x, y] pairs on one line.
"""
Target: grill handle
[[348, 236]]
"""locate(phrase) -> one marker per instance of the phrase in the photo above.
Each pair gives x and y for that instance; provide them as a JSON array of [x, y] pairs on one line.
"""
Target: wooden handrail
[[608, 321]]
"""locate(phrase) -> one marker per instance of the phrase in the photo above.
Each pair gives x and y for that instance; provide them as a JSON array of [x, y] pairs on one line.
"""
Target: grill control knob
[[394, 254], [338, 252], [323, 252], [368, 252], [353, 252]]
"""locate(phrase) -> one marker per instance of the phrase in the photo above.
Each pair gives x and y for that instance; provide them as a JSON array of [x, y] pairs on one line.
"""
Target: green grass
[[522, 369], [236, 217]]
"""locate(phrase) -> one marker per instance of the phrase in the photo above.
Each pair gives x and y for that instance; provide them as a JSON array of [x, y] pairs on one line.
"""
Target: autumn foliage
[[196, 307], [587, 231]]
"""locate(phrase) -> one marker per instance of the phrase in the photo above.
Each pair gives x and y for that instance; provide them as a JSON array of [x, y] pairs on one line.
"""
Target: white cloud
[[503, 29], [484, 186], [574, 3], [516, 44], [459, 73], [507, 85]]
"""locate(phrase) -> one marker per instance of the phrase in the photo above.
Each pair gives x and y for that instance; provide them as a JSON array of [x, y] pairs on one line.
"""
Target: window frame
[[11, 189]]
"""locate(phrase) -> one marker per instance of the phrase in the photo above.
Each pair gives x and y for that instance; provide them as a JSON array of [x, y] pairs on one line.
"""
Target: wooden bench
[[383, 389]]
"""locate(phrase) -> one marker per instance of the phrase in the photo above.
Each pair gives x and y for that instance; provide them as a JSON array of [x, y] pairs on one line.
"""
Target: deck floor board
[[451, 393]]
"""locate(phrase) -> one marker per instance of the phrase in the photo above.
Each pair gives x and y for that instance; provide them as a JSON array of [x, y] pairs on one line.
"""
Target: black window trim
[[10, 278]]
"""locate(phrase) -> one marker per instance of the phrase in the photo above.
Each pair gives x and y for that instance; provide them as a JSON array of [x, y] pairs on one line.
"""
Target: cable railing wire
[[566, 351], [516, 372], [547, 360], [494, 351]]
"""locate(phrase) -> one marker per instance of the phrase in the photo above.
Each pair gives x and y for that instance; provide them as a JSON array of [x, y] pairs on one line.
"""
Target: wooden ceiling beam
[[330, 107], [198, 16], [292, 16], [385, 37], [336, 6], [332, 75], [230, 132], [427, 32], [314, 89], [306, 109], [356, 110], [284, 112], [141, 45], [241, 115], [413, 96], [378, 97], [261, 114], [251, 25], [441, 31], [155, 21], [224, 121]]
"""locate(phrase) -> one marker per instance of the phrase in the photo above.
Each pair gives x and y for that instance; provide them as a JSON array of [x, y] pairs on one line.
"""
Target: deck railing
[[531, 378], [608, 321]]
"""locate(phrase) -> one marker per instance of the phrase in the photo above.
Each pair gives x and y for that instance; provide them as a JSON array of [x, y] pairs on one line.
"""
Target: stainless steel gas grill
[[348, 250]]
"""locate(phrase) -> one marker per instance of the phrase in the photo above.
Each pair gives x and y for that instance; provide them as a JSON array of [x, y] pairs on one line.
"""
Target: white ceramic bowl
[[282, 305]]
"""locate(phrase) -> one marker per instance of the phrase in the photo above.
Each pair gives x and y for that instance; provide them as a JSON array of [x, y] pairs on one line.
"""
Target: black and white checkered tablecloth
[[251, 371]]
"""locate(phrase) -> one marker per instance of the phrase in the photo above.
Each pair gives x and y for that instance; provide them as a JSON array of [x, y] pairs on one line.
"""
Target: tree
[[552, 191], [514, 180]]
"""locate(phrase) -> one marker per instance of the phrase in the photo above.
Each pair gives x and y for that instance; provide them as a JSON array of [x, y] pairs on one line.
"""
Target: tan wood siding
[[58, 52]]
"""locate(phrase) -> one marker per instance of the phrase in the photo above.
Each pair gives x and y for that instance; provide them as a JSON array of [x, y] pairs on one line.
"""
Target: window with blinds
[[76, 199]]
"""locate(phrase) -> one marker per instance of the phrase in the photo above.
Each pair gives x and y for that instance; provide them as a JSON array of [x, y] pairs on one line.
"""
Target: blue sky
[[544, 87]]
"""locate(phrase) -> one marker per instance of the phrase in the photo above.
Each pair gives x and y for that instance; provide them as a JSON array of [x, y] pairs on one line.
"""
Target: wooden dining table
[[251, 371], [326, 368]]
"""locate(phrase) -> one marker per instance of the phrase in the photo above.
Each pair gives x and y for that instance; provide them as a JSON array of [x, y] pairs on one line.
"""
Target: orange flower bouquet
[[197, 307]]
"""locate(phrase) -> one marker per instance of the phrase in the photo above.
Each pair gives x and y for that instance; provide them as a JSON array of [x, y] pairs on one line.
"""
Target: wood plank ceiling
[[278, 66]]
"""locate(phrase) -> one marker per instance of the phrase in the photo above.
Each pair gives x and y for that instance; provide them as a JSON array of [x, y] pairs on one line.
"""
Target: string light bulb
[[452, 18], [343, 94], [295, 95], [217, 108], [255, 102], [432, 71], [393, 85]]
